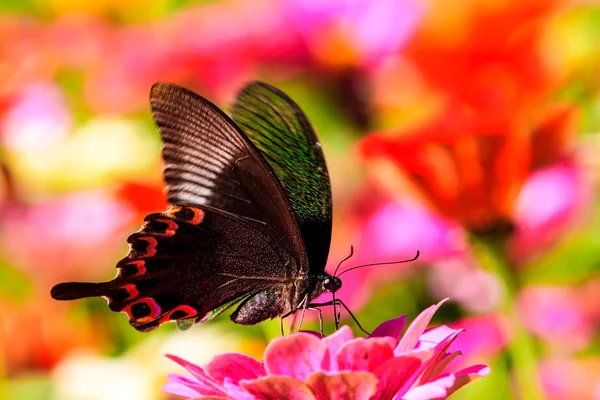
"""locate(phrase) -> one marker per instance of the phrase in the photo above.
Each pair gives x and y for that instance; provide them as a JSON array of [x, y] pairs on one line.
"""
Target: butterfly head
[[330, 283]]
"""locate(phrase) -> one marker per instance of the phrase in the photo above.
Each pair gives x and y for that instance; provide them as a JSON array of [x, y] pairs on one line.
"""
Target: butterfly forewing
[[208, 161], [286, 139]]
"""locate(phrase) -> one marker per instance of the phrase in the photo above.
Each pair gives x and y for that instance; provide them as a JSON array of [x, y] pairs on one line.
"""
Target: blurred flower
[[396, 229], [483, 339], [338, 366], [80, 40], [219, 46], [64, 234], [144, 198], [471, 168], [462, 279], [540, 215], [485, 55], [345, 33], [102, 151], [24, 56], [37, 333], [387, 231], [37, 118], [571, 379], [559, 315], [484, 132]]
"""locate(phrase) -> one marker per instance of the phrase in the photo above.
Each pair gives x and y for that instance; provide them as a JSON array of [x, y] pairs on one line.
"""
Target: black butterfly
[[250, 219]]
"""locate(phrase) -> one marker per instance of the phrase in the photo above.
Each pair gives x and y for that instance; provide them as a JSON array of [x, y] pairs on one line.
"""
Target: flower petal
[[278, 387], [181, 387], [392, 328], [432, 390], [234, 366], [235, 391], [205, 385], [433, 337], [342, 385], [296, 355], [394, 374], [431, 368], [334, 342], [416, 329], [467, 375], [363, 354]]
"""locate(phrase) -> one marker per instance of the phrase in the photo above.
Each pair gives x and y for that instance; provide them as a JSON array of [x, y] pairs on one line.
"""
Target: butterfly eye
[[332, 284]]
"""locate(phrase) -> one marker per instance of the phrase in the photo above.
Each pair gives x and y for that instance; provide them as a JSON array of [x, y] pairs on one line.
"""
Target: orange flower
[[487, 126], [472, 169], [486, 54]]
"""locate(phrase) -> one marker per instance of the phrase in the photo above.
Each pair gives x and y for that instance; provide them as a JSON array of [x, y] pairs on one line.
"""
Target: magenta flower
[[303, 366]]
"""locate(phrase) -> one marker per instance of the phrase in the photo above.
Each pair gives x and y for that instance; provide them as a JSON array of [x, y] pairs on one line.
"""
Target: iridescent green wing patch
[[286, 139]]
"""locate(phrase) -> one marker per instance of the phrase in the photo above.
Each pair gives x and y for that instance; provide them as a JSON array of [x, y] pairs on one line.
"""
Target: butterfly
[[249, 219]]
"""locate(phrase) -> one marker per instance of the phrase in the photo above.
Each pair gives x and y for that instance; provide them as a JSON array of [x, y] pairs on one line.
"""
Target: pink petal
[[181, 389], [442, 364], [394, 374], [235, 367], [432, 390], [237, 392], [278, 387], [416, 329], [392, 328], [431, 360], [363, 354], [541, 216], [468, 375], [342, 385], [205, 383], [431, 367], [433, 337], [334, 342], [296, 355]]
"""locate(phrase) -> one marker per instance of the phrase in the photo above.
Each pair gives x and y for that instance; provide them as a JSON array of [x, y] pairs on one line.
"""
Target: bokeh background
[[466, 130]]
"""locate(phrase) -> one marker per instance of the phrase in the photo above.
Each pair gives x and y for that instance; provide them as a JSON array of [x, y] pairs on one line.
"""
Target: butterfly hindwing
[[188, 263], [286, 139]]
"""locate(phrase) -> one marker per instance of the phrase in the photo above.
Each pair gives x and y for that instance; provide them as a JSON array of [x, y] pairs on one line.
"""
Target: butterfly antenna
[[345, 259], [336, 317], [383, 263]]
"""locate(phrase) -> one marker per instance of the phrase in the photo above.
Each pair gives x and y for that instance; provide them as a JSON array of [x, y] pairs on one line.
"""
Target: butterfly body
[[250, 220]]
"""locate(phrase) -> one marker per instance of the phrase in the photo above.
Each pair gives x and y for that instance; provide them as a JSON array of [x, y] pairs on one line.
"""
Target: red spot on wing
[[141, 267], [154, 313], [132, 291], [190, 312], [151, 249], [171, 227], [198, 216]]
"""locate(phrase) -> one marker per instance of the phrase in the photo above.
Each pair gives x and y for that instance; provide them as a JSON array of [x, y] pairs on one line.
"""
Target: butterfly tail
[[79, 290]]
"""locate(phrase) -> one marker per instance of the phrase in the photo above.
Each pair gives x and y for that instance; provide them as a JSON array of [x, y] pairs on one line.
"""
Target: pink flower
[[558, 315], [303, 366], [355, 31], [540, 215]]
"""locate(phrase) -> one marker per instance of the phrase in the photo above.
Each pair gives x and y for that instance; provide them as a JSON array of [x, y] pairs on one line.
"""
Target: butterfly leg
[[282, 318], [336, 302], [320, 318], [302, 304]]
